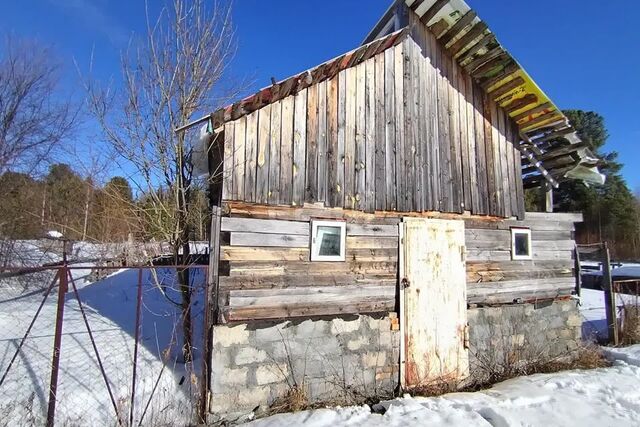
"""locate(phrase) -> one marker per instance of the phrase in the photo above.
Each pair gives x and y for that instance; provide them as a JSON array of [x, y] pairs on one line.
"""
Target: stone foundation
[[522, 332], [341, 360], [349, 359]]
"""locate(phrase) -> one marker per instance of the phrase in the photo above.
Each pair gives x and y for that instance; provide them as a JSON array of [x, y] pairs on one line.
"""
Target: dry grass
[[631, 324], [295, 400]]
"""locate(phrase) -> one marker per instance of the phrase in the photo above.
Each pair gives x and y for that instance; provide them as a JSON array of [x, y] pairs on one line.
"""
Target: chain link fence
[[101, 345]]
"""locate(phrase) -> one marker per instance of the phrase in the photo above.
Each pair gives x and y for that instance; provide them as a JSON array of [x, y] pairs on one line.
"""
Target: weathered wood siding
[[270, 275], [406, 130], [267, 272]]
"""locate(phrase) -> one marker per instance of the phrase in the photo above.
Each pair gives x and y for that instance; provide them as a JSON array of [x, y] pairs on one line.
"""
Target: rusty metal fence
[[97, 345]]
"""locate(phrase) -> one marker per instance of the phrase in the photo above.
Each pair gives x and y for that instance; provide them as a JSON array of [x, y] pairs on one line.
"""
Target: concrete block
[[254, 396], [574, 320], [357, 344], [374, 359], [271, 373], [311, 328], [385, 339], [225, 336], [341, 326], [248, 355], [273, 333], [234, 377]]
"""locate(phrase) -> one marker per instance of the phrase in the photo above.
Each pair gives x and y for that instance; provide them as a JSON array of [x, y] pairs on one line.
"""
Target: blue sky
[[579, 51]]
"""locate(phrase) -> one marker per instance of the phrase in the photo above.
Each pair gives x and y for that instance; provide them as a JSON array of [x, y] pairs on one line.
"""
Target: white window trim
[[343, 240], [521, 230]]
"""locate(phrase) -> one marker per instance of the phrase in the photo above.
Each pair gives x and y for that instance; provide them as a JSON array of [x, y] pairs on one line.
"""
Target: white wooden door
[[435, 301]]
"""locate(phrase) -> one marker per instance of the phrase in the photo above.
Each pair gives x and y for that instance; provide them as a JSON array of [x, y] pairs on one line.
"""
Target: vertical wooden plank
[[342, 137], [464, 142], [409, 127], [334, 162], [286, 151], [350, 140], [444, 131], [251, 147], [390, 129], [274, 151], [489, 160], [513, 158], [370, 125], [380, 173], [422, 138], [322, 142], [312, 144], [504, 164], [360, 153], [514, 167], [510, 179], [457, 200], [518, 175], [238, 157], [435, 186], [418, 120], [262, 175], [495, 139], [227, 173], [399, 119], [299, 147], [481, 150], [471, 143]]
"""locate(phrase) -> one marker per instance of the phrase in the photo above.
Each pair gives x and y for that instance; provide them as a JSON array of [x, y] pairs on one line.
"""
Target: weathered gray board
[[270, 275]]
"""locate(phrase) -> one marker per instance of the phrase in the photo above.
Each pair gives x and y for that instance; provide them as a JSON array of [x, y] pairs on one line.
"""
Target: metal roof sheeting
[[543, 126]]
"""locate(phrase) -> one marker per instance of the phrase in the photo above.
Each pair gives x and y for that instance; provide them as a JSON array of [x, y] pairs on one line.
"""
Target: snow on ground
[[110, 307], [600, 397], [594, 325]]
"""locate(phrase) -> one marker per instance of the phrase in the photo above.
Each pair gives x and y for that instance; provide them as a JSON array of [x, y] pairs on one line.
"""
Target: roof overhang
[[551, 149]]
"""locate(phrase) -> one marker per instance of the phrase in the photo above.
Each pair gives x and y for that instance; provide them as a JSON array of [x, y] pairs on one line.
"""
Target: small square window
[[328, 240], [521, 243]]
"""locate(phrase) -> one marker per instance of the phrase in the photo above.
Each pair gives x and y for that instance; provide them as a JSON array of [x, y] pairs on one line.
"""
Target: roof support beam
[[527, 151]]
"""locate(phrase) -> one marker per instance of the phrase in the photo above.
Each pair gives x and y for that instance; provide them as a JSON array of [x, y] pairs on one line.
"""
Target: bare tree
[[33, 119], [175, 73]]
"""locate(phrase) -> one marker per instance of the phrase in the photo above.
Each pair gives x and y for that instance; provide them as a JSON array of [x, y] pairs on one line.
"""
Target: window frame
[[314, 255], [521, 230]]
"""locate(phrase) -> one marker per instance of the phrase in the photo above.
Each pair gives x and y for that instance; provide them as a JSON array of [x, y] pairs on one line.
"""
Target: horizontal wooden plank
[[518, 290], [372, 230], [268, 226], [256, 268], [554, 216], [269, 240], [309, 301], [285, 281], [240, 253], [285, 311], [370, 242], [533, 272]]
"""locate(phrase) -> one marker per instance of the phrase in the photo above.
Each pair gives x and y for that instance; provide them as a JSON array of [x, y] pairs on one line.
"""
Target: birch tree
[[173, 74]]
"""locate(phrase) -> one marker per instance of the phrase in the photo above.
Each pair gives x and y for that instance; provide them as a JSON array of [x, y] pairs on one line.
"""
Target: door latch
[[405, 283]]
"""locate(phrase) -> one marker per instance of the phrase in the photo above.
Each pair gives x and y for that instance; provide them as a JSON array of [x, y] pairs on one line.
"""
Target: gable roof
[[550, 144]]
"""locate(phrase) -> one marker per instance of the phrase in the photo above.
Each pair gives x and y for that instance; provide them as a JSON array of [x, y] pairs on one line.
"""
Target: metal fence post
[[57, 341], [609, 295]]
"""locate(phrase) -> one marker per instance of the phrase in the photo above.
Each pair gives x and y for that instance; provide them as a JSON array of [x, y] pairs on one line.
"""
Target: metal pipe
[[135, 347], [57, 342], [192, 123]]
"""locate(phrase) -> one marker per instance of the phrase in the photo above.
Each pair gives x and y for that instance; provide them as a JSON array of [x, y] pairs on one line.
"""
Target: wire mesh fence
[[79, 351]]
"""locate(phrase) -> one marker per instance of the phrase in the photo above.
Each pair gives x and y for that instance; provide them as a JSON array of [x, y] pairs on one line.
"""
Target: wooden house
[[374, 206]]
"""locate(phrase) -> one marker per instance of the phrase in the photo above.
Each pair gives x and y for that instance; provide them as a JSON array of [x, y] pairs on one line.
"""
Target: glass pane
[[522, 244], [328, 240]]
